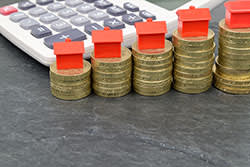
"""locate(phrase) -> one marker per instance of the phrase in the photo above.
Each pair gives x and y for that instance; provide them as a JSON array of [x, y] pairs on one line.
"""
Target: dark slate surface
[[174, 130]]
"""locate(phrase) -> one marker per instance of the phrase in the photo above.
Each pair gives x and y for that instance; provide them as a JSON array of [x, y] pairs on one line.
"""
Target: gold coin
[[103, 75], [227, 89], [192, 64], [70, 75], [220, 69], [154, 67], [70, 87], [126, 58], [153, 53], [239, 64], [153, 84], [142, 61], [152, 91], [113, 94], [192, 90], [114, 69], [194, 81], [114, 89], [191, 75], [193, 43], [238, 33], [69, 95], [234, 56], [112, 84], [234, 43], [227, 49], [196, 70], [193, 59], [194, 54]]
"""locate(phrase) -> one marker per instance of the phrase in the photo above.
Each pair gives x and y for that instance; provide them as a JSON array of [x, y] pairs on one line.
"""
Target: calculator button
[[116, 11], [73, 34], [67, 13], [114, 23], [48, 18], [60, 26], [37, 11], [44, 2], [73, 3], [25, 5], [40, 31], [86, 8], [18, 16], [145, 14], [7, 10], [28, 24], [98, 15], [90, 1], [54, 7], [91, 27], [131, 7], [79, 20], [103, 4], [131, 19]]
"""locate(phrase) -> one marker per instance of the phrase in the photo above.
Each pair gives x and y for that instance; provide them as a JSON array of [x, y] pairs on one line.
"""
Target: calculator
[[34, 25]]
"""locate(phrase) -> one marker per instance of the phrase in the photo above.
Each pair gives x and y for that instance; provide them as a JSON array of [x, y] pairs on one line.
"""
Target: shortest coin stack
[[72, 84], [194, 58], [112, 76], [153, 70]]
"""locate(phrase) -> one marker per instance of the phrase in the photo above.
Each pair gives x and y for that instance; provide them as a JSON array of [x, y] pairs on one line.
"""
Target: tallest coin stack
[[232, 69]]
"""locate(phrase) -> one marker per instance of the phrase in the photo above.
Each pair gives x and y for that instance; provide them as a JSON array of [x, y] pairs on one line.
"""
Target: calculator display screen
[[169, 4]]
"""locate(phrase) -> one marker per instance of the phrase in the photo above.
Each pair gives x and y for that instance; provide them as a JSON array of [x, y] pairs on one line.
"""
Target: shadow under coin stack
[[232, 69], [112, 76], [152, 70], [71, 84], [194, 59]]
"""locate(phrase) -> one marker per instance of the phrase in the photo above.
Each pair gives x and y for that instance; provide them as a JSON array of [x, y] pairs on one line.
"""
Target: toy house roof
[[238, 6], [150, 27], [194, 14], [69, 48], [107, 36]]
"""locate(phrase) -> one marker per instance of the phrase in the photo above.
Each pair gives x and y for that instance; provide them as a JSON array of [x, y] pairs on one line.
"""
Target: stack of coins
[[232, 69], [194, 59], [152, 70], [112, 76], [71, 84]]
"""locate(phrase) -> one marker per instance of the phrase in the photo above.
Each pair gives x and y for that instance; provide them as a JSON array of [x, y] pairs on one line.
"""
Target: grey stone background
[[174, 130]]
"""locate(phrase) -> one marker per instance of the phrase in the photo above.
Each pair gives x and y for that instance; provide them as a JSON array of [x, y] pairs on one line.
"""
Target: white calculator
[[34, 25]]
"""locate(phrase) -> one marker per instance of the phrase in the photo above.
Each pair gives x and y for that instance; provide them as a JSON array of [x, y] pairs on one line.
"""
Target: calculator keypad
[[64, 16]]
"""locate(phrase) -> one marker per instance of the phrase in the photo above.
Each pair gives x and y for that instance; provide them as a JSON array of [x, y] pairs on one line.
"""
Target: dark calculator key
[[114, 23], [131, 7], [25, 5], [103, 4], [116, 11], [73, 34], [91, 27], [131, 19], [40, 31], [145, 14], [90, 1], [44, 2]]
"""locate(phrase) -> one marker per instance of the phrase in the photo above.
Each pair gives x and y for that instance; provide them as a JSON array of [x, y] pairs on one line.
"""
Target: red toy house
[[69, 55], [107, 43], [151, 35], [238, 14], [193, 22]]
